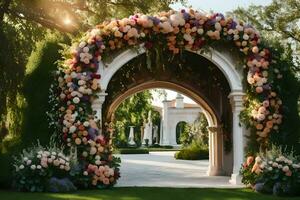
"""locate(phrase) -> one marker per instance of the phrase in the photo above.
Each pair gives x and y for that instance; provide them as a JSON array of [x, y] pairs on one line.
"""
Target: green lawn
[[145, 194]]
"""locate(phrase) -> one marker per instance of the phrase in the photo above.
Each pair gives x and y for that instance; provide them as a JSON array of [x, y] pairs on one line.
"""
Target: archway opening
[[192, 75]]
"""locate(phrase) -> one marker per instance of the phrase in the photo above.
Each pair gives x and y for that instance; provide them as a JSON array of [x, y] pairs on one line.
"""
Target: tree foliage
[[134, 112]]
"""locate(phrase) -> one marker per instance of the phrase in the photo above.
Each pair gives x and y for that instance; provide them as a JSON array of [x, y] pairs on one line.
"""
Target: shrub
[[132, 151], [273, 172], [192, 154]]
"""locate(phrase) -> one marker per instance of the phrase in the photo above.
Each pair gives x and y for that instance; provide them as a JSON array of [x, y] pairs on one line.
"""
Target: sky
[[221, 6]]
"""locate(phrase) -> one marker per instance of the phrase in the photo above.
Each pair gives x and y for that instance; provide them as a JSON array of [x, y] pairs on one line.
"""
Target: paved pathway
[[160, 169]]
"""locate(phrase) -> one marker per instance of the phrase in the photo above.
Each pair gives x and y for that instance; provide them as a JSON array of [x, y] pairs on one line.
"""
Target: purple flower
[[186, 16], [155, 20]]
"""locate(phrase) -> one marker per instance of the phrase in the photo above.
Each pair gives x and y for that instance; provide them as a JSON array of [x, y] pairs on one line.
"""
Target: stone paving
[[160, 169]]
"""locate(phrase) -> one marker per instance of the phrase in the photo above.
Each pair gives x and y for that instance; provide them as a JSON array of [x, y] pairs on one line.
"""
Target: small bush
[[132, 151], [192, 154]]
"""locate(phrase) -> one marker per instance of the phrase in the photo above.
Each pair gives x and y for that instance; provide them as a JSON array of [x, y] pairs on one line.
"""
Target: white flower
[[177, 19], [218, 26], [166, 26], [258, 159], [188, 38], [39, 167], [81, 82], [279, 166], [85, 173], [25, 159], [270, 168], [275, 164], [285, 168], [50, 160], [73, 74], [142, 34], [72, 129], [82, 44], [200, 31], [39, 156], [53, 153], [62, 167], [76, 100], [246, 37], [86, 123], [33, 167], [239, 28], [56, 162], [85, 57], [97, 157], [84, 154], [28, 162], [21, 167], [97, 162], [85, 49], [67, 167]]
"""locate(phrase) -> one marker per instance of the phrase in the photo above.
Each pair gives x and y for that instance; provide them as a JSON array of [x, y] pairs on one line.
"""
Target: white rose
[[218, 26], [62, 167], [25, 159], [67, 168], [85, 173], [246, 37], [85, 49], [73, 74], [82, 44], [72, 129], [33, 167], [76, 100], [200, 31], [39, 156], [97, 157], [285, 168], [21, 167], [84, 154], [39, 167], [56, 162], [86, 124], [97, 162], [28, 162], [270, 168]]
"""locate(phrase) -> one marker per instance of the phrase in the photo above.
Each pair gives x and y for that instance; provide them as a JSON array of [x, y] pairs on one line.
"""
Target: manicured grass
[[142, 193]]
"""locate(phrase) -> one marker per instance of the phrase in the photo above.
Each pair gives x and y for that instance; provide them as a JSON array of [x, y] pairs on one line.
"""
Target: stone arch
[[226, 64], [223, 61]]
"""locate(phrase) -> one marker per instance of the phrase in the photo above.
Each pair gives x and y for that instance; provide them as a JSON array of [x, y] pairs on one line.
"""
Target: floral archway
[[175, 31]]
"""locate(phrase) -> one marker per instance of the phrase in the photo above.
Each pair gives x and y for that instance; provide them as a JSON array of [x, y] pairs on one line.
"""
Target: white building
[[173, 112]]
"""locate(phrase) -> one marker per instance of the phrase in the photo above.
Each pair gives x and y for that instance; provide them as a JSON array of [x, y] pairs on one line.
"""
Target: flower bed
[[273, 172]]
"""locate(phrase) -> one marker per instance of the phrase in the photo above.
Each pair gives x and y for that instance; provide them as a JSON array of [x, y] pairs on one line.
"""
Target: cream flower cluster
[[283, 164], [45, 159]]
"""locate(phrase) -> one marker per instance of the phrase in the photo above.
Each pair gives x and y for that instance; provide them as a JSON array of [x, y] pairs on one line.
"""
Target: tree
[[278, 24], [133, 112], [25, 22], [277, 21]]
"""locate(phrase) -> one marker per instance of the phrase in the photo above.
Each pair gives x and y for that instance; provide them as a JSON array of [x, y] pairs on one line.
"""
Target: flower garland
[[176, 31]]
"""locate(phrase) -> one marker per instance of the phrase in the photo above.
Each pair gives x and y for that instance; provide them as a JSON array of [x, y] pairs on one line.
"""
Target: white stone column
[[215, 151], [236, 100], [97, 107]]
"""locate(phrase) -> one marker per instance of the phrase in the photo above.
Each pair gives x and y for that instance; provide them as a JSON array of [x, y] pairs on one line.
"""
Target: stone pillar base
[[215, 172], [236, 179]]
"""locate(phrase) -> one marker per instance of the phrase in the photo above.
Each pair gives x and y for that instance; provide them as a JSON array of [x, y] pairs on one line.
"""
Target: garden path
[[161, 169]]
